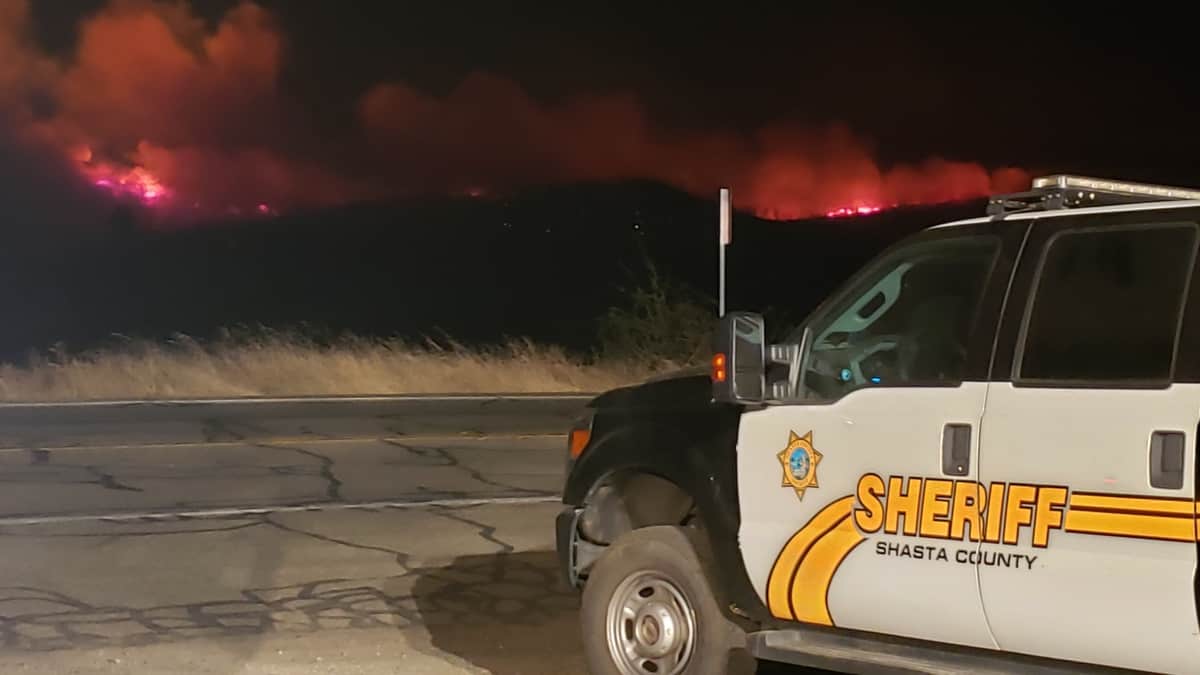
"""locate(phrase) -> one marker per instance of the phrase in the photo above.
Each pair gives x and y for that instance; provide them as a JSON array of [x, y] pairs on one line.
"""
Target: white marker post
[[726, 232]]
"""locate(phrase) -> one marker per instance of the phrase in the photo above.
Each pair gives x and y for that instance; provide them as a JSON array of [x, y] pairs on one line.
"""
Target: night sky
[[202, 111]]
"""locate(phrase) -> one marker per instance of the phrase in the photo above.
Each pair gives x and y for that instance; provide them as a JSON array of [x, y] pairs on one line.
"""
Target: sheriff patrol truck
[[978, 456]]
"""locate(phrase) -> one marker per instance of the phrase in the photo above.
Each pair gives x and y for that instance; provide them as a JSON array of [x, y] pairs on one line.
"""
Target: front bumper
[[565, 538]]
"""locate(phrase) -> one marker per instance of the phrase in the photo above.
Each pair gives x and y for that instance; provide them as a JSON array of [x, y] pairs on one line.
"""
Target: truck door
[[894, 383], [1089, 444]]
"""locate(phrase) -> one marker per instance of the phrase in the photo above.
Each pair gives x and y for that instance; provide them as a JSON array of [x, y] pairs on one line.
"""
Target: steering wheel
[[871, 346]]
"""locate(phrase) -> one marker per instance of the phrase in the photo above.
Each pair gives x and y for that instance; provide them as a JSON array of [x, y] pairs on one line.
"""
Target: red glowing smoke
[[157, 106], [488, 131]]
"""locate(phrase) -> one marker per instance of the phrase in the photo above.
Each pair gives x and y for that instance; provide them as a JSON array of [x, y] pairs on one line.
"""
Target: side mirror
[[739, 358]]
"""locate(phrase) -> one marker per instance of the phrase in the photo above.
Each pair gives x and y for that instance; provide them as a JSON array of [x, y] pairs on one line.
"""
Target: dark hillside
[[543, 264]]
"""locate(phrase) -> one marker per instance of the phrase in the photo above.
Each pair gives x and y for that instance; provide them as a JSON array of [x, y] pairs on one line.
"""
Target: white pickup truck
[[978, 456]]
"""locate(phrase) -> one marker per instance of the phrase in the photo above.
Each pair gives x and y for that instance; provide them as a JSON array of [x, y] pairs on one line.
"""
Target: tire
[[663, 561]]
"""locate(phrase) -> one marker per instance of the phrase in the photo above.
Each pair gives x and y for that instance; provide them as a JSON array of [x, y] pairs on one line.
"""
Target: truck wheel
[[648, 609]]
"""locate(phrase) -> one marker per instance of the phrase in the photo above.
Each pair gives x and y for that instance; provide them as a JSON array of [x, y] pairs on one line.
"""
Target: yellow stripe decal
[[1099, 502], [779, 584], [810, 588], [1143, 526]]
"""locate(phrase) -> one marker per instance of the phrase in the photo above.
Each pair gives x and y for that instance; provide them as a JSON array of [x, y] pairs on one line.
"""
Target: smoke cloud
[[488, 132], [157, 106]]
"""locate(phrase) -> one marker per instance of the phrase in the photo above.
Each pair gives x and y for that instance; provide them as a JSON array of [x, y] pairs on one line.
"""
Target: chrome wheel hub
[[651, 626]]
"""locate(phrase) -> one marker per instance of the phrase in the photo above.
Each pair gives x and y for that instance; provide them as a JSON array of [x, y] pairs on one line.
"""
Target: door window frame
[[1043, 233]]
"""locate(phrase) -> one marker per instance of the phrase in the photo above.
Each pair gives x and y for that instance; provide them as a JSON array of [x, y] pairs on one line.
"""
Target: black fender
[[695, 448]]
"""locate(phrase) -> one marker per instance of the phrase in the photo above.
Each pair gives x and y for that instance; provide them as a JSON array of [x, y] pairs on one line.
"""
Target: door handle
[[1166, 459], [956, 449]]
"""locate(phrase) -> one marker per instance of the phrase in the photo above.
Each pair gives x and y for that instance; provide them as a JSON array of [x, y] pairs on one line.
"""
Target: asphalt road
[[410, 554]]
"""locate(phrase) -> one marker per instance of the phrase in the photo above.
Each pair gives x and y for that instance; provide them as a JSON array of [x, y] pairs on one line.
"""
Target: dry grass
[[278, 365]]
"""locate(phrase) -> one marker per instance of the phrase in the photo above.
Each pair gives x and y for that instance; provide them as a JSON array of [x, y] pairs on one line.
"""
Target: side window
[[1106, 305], [905, 322]]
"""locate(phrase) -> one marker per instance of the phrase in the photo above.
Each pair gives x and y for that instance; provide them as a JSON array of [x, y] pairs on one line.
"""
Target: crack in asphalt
[[333, 491], [54, 596], [103, 478], [485, 532], [423, 453], [108, 481], [215, 430], [449, 460], [401, 556], [306, 430]]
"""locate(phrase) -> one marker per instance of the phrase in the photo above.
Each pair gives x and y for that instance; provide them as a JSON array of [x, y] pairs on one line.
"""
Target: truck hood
[[687, 390]]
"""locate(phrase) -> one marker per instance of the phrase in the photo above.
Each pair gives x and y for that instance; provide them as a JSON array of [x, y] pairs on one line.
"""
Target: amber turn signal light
[[718, 368], [579, 441]]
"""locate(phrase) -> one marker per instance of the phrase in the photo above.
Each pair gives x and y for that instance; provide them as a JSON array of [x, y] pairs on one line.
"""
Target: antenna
[[726, 236]]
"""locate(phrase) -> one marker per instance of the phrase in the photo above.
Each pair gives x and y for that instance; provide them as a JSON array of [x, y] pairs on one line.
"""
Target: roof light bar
[[1115, 187], [1063, 191]]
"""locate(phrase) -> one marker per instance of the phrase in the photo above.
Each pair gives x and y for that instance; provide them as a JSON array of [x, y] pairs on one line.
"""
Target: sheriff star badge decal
[[799, 461]]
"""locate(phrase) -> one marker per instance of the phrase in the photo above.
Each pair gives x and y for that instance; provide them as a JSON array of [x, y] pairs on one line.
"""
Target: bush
[[665, 324]]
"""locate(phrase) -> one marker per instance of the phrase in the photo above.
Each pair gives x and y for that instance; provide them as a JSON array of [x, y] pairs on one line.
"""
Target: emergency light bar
[[1064, 191]]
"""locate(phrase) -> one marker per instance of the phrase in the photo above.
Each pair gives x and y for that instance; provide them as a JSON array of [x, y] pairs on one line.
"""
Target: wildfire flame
[[139, 183], [853, 211], [135, 182], [121, 181]]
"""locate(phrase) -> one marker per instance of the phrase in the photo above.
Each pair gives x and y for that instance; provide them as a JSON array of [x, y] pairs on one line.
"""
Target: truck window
[[904, 322], [1106, 305]]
